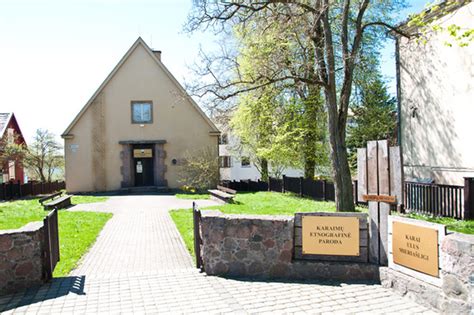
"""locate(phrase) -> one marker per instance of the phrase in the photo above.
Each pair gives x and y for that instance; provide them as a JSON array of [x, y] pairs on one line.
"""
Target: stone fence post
[[468, 198]]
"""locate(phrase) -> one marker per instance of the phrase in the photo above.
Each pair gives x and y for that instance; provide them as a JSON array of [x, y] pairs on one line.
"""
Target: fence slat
[[11, 190], [434, 199]]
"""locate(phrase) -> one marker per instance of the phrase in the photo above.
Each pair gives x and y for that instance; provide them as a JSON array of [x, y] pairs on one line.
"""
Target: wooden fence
[[10, 190], [439, 200], [246, 185], [197, 237], [433, 199], [51, 240], [316, 189]]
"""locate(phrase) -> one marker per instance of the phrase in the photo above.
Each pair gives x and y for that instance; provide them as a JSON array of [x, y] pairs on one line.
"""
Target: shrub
[[200, 169]]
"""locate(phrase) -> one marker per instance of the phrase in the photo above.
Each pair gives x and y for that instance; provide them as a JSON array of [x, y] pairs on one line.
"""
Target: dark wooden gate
[[197, 236], [51, 241]]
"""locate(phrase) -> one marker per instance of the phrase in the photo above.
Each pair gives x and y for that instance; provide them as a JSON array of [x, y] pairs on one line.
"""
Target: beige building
[[135, 129], [436, 95]]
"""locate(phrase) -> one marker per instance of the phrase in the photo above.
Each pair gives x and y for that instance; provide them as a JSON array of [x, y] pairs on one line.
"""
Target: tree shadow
[[55, 288], [431, 113], [323, 282]]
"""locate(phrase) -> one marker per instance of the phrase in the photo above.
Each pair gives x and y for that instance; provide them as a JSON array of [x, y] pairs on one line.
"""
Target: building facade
[[10, 132], [436, 101], [135, 129], [238, 166]]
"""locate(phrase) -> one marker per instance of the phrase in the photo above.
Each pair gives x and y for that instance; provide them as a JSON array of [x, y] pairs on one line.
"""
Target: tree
[[200, 169], [426, 23], [44, 157], [11, 150], [374, 118], [336, 31]]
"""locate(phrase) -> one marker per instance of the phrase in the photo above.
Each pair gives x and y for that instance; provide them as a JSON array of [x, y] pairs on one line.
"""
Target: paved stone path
[[139, 264]]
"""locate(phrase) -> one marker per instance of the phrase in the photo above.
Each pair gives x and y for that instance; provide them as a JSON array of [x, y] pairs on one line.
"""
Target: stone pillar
[[159, 165], [126, 168]]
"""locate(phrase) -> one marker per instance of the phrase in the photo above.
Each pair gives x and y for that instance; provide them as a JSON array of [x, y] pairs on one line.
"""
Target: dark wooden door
[[144, 172]]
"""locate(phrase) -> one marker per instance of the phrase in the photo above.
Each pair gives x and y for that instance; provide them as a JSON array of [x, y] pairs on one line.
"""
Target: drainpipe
[[399, 92]]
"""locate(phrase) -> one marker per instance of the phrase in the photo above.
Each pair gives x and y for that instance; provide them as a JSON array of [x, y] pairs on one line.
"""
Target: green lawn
[[183, 218], [274, 203], [193, 196], [270, 203], [77, 230], [466, 226], [77, 233], [87, 199]]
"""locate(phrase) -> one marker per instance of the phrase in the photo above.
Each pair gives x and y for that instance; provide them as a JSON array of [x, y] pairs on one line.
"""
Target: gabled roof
[[5, 119], [138, 42], [443, 8]]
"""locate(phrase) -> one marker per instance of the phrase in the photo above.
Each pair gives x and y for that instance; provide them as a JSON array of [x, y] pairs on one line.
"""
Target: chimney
[[157, 54]]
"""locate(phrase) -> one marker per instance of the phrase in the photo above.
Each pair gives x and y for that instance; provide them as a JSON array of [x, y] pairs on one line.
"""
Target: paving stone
[[139, 264]]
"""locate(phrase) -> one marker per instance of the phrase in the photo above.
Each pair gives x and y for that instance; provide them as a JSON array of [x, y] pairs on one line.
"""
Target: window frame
[[223, 158], [241, 162], [132, 103], [223, 139]]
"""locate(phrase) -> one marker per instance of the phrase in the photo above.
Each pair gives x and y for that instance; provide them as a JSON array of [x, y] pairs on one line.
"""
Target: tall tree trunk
[[264, 169], [309, 165], [310, 137], [340, 164]]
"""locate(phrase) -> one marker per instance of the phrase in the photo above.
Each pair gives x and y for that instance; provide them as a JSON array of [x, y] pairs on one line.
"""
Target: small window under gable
[[142, 112]]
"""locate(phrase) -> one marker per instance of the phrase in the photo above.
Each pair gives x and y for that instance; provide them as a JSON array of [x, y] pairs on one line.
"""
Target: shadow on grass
[[55, 288]]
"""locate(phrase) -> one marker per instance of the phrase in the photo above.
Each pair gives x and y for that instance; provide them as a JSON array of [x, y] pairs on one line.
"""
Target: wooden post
[[373, 189], [301, 186], [468, 212], [384, 208], [379, 182], [354, 186], [325, 197]]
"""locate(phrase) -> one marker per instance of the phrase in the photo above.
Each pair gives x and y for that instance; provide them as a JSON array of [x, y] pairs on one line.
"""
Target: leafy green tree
[[339, 33], [43, 156], [373, 118], [426, 23], [266, 131], [199, 169]]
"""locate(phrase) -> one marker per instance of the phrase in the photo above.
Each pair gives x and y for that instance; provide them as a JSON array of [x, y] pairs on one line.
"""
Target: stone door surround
[[159, 167]]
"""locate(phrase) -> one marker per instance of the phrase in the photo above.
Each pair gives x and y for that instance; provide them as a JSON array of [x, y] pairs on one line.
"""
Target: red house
[[10, 131]]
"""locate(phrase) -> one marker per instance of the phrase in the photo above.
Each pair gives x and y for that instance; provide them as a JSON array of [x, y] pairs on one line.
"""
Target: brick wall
[[21, 257], [454, 296], [262, 247]]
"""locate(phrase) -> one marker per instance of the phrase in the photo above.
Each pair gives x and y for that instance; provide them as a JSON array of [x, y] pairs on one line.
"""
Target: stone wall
[[262, 247], [457, 274], [21, 257]]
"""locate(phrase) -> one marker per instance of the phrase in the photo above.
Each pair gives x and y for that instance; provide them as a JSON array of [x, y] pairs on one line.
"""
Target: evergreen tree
[[373, 118]]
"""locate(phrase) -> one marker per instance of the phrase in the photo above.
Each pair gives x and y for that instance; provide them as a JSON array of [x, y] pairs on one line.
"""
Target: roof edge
[[430, 15], [66, 133]]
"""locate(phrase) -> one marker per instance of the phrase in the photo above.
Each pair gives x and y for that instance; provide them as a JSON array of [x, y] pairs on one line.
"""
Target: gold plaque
[[330, 235], [415, 247], [142, 153], [380, 198]]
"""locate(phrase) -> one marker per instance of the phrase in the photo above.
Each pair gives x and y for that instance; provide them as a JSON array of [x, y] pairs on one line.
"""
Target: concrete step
[[144, 190]]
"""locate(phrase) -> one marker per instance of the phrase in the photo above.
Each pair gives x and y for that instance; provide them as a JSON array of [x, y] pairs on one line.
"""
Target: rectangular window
[[11, 135], [245, 161], [223, 139], [142, 112], [225, 161]]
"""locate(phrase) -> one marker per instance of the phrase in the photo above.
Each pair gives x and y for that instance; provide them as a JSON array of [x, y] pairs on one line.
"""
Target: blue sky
[[55, 53]]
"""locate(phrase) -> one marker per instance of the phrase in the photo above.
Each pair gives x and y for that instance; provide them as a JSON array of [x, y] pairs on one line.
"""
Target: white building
[[436, 100], [236, 166]]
